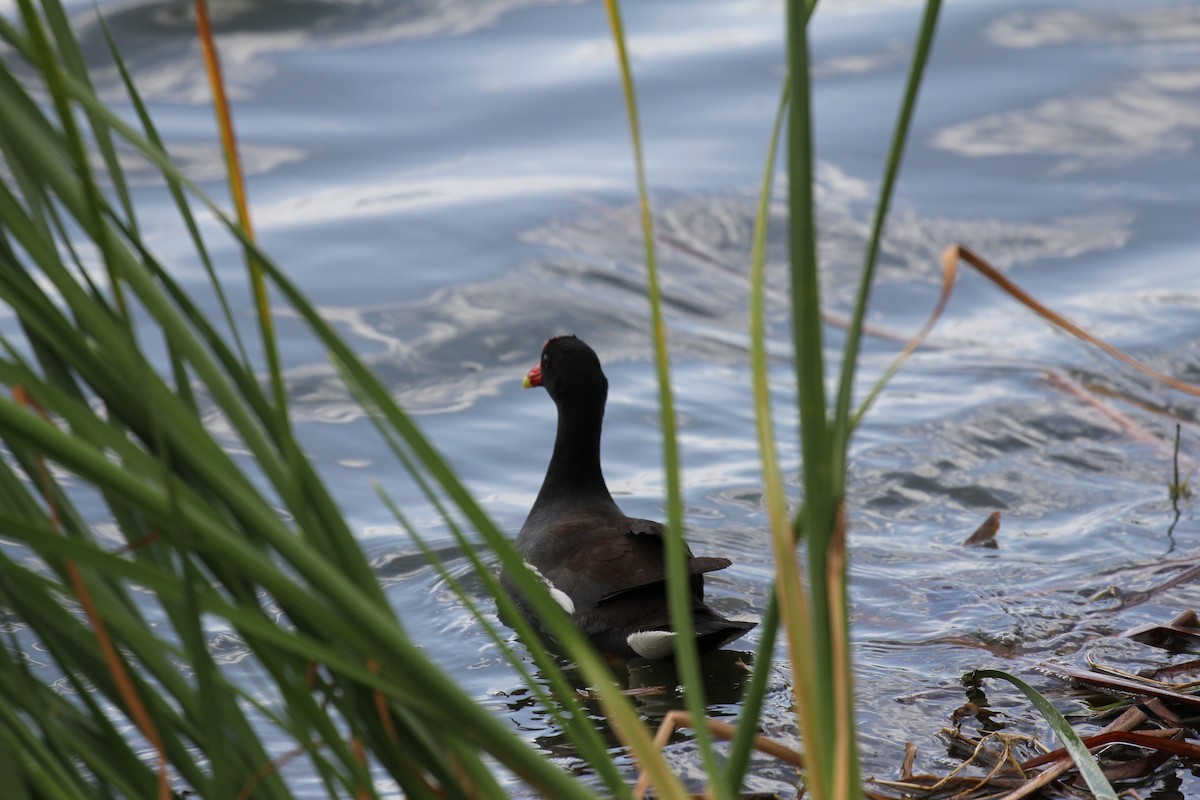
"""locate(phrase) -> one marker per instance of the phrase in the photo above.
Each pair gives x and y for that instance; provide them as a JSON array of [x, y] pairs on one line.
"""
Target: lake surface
[[453, 183]]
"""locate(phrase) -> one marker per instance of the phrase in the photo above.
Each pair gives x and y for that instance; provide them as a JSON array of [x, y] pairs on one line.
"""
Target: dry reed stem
[[1130, 426], [360, 792], [382, 708], [112, 657], [1005, 757], [957, 252], [835, 582], [677, 719], [1105, 669], [949, 275], [212, 67], [1160, 739], [910, 757], [271, 766], [1128, 721]]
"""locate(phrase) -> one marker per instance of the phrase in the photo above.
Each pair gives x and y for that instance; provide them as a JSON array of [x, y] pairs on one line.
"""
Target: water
[[452, 182]]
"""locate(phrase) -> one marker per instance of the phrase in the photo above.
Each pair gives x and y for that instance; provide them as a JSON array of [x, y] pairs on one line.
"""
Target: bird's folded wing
[[598, 559]]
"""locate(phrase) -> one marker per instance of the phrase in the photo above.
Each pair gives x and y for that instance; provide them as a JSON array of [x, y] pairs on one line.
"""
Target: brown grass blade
[[1157, 740], [112, 657], [985, 534], [958, 252], [949, 275], [212, 66]]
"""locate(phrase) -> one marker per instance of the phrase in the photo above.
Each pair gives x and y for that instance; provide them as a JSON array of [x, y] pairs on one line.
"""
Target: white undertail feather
[[652, 644]]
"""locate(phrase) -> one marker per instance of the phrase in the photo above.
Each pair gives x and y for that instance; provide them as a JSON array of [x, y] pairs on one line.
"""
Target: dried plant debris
[[985, 534], [1146, 682]]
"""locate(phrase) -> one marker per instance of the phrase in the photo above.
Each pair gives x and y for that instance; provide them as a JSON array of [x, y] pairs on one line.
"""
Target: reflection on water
[[1153, 114], [402, 194], [1154, 111], [204, 161], [1113, 25], [158, 39], [591, 283]]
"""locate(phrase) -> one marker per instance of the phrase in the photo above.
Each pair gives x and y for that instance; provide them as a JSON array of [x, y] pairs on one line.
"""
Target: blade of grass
[[418, 690], [843, 426], [574, 721], [678, 581], [812, 660], [1088, 767], [116, 663], [949, 275], [175, 188], [738, 759], [616, 706], [67, 45], [788, 602]]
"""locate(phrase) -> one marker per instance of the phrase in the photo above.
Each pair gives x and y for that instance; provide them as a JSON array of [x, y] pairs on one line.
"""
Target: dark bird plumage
[[606, 569]]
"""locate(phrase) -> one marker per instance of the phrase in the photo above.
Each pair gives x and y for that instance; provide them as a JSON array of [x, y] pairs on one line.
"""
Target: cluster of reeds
[[180, 539], [131, 534]]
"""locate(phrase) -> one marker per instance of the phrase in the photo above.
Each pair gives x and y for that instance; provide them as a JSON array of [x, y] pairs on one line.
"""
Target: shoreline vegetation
[[144, 709]]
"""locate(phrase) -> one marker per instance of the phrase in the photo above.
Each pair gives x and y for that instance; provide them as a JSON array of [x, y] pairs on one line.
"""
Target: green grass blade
[[573, 719], [206, 538], [815, 662], [789, 593], [678, 581], [843, 423], [176, 189], [738, 759], [73, 60], [1085, 762]]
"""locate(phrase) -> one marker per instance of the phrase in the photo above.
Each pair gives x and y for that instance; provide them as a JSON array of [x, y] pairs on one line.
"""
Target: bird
[[606, 570]]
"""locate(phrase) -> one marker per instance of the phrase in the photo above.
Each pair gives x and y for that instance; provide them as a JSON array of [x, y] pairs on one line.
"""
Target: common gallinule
[[605, 569]]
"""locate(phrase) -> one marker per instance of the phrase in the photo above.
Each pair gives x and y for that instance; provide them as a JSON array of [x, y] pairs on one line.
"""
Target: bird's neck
[[574, 470]]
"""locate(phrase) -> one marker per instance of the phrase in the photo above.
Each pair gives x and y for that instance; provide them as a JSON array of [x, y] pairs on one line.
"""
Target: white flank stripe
[[561, 598], [558, 595]]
